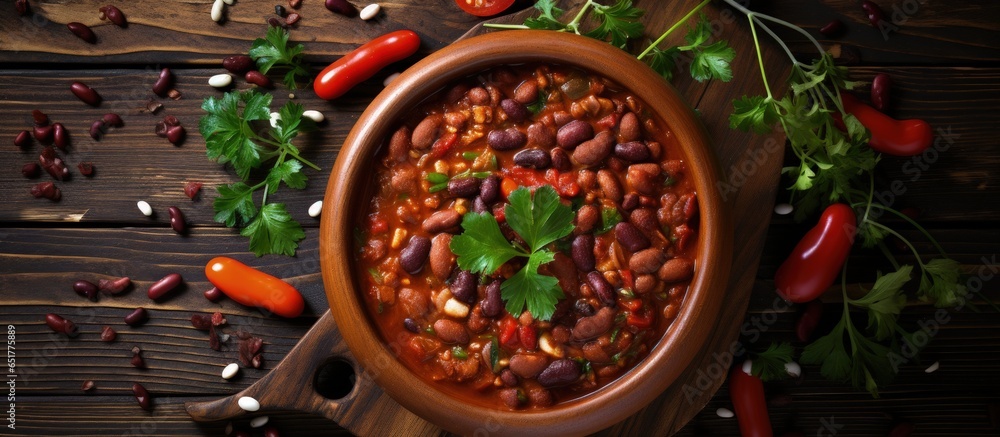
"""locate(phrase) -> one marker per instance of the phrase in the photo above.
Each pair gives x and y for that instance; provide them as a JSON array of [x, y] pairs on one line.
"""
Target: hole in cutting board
[[335, 379]]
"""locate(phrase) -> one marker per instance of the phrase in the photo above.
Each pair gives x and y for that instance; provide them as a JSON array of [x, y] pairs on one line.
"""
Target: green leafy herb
[[539, 219], [865, 365], [939, 282], [884, 302], [548, 19], [620, 21], [609, 218], [769, 365], [459, 353], [495, 355], [273, 50]]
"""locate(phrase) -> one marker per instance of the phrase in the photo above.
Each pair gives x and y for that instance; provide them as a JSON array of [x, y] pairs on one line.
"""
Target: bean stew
[[619, 273]]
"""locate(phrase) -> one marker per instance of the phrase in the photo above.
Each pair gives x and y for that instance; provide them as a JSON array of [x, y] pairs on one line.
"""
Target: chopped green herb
[[459, 353], [376, 276], [769, 365], [470, 155], [273, 50], [609, 218]]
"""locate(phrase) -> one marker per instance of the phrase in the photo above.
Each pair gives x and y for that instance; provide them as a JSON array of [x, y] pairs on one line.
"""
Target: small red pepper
[[632, 305], [362, 63], [641, 319], [808, 320], [747, 394], [890, 136], [508, 332], [817, 259]]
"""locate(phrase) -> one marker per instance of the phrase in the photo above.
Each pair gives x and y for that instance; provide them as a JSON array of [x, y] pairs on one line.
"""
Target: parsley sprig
[[237, 133], [617, 23], [539, 219], [273, 50]]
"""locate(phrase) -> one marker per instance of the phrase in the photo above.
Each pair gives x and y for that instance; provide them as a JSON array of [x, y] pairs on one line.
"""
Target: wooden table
[[944, 59]]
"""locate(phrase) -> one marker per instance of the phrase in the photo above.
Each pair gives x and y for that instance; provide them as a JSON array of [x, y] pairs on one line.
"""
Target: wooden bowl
[[347, 197]]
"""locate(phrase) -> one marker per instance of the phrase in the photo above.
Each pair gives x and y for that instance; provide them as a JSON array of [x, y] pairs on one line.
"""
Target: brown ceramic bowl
[[347, 194]]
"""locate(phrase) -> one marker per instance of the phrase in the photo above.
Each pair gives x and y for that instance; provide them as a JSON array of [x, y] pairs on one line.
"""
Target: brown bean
[[610, 186], [414, 303], [478, 96], [31, 170], [23, 139], [257, 78], [60, 136], [629, 127], [515, 111], [644, 178], [177, 222], [508, 377], [463, 187], [293, 18], [630, 237], [47, 190], [426, 132], [533, 158], [645, 219], [507, 139], [85, 93], [587, 217], [115, 15], [86, 289], [631, 201], [61, 325], [601, 287], [441, 221], [442, 261], [560, 159], [676, 270], [592, 152], [399, 144], [142, 397], [164, 83], [341, 7], [646, 261], [108, 334], [632, 151], [163, 286], [512, 397], [590, 327], [176, 134], [239, 64], [413, 256], [82, 31], [463, 287], [528, 365], [573, 133], [559, 373], [527, 92], [489, 189], [594, 353], [137, 360], [540, 135], [582, 250], [492, 304], [645, 283], [451, 332]]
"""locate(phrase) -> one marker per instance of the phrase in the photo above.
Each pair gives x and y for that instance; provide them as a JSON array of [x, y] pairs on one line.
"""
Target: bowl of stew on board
[[522, 234]]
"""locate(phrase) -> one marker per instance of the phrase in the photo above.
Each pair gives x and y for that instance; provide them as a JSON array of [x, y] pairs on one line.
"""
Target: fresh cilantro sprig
[[616, 24], [709, 60], [237, 133], [273, 50], [769, 364], [539, 219]]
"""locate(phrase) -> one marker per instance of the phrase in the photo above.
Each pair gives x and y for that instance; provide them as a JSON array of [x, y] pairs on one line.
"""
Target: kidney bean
[[108, 334], [22, 7], [582, 250], [97, 129], [512, 397], [23, 139], [590, 327], [629, 128], [808, 320], [239, 64], [426, 132], [582, 307], [609, 184], [61, 325], [164, 286], [880, 91], [137, 317], [399, 144], [201, 322], [528, 365], [875, 13], [53, 164], [559, 373], [645, 219], [86, 289], [113, 120], [43, 134], [341, 7], [113, 286], [176, 135], [413, 256], [60, 136], [86, 168], [507, 139], [541, 135], [630, 237], [516, 112], [142, 396], [82, 31], [489, 189], [573, 133], [450, 331], [463, 187], [586, 218], [441, 221], [275, 22], [177, 222], [463, 287], [292, 18], [676, 270], [601, 287], [47, 190], [631, 201], [646, 261], [170, 120], [532, 158], [137, 360], [527, 92], [478, 206], [832, 29], [85, 93], [213, 294], [560, 159], [30, 170], [39, 118], [115, 15], [592, 152], [191, 189], [632, 151], [441, 259], [478, 96], [257, 78], [492, 304]]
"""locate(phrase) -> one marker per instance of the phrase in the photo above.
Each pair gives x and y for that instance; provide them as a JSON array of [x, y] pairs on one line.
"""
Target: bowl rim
[[673, 353]]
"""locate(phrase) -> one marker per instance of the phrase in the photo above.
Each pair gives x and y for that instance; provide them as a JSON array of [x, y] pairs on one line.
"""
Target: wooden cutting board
[[751, 164]]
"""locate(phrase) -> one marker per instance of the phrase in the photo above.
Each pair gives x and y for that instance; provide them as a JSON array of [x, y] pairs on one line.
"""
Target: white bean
[[783, 209], [229, 2], [145, 208], [217, 10], [724, 413], [230, 371], [258, 421], [748, 367], [316, 208], [370, 11], [248, 403], [220, 80], [933, 367], [793, 369], [388, 79], [314, 115]]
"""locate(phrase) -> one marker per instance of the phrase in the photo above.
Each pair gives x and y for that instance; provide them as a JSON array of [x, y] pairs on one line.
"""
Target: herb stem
[[575, 24], [888, 254], [683, 20], [916, 225], [905, 241], [760, 59], [296, 155], [505, 26]]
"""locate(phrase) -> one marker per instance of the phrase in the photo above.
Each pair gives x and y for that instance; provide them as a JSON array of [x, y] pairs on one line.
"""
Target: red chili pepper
[[632, 305], [252, 287], [641, 319], [808, 320], [361, 64], [817, 259], [528, 336], [377, 225], [894, 137], [747, 394], [628, 278], [443, 145], [508, 332]]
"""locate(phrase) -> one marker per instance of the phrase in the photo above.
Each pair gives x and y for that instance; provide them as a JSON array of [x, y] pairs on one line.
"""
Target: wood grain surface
[[943, 60]]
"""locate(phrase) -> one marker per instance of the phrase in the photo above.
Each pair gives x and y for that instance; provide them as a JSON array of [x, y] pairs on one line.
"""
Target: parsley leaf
[[939, 283], [289, 172], [619, 20], [273, 50], [884, 302], [769, 365], [541, 220], [227, 129], [664, 61], [234, 206], [754, 113], [527, 287], [549, 17], [481, 248], [273, 231], [609, 218], [866, 365]]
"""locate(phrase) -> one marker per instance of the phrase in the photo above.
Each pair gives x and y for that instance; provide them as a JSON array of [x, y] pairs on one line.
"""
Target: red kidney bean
[[43, 134], [508, 377], [527, 92], [201, 322], [808, 320], [294, 4], [441, 220], [541, 135], [31, 170], [492, 304], [646, 261], [560, 159], [600, 286], [832, 29], [426, 132], [108, 334], [275, 22], [881, 85], [177, 222], [137, 317], [40, 118], [292, 18], [88, 385], [594, 151], [61, 325], [631, 201], [533, 158], [142, 396], [413, 256], [463, 187], [191, 189], [341, 7], [137, 360], [23, 139], [582, 307], [22, 7], [526, 365], [582, 250], [450, 331], [411, 325], [82, 31], [164, 286], [170, 120], [630, 237], [629, 128], [516, 112], [463, 287], [97, 129], [113, 120], [176, 135], [489, 189], [60, 136], [160, 129], [53, 164], [86, 168], [163, 82], [239, 64], [113, 286], [213, 294], [573, 133], [86, 289], [271, 432], [676, 270], [632, 151], [85, 93], [114, 15], [441, 259], [47, 190], [559, 373], [257, 78], [507, 139], [875, 13]]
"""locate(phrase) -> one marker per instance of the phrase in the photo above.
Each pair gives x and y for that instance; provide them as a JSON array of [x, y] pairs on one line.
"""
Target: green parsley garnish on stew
[[539, 220]]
